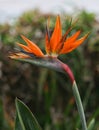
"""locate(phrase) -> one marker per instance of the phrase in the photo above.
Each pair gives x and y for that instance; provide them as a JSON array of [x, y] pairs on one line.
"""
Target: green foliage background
[[48, 94]]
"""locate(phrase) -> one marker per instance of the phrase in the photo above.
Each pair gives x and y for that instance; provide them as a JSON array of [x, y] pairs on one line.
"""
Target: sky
[[10, 9]]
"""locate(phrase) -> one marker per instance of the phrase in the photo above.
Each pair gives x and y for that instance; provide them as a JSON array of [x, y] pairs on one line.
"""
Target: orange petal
[[33, 47], [18, 55], [47, 48], [47, 39], [73, 45], [73, 37], [67, 32], [26, 48], [56, 35], [69, 40], [61, 43]]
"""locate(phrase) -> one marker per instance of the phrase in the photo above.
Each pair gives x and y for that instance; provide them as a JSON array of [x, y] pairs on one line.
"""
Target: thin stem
[[76, 95], [79, 105]]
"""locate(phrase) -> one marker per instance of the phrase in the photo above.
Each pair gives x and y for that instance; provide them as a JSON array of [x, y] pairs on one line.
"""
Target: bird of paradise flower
[[55, 44]]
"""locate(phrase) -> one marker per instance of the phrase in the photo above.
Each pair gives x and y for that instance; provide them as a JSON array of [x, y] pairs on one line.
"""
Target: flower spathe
[[55, 43]]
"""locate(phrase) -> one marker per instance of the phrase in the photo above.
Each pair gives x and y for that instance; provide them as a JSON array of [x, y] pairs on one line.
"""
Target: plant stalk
[[76, 96], [79, 106]]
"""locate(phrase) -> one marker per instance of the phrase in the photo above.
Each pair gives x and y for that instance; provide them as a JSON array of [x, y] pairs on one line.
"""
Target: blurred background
[[49, 94]]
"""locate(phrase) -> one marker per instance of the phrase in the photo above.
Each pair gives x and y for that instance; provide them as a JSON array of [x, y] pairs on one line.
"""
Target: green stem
[[79, 105], [76, 95]]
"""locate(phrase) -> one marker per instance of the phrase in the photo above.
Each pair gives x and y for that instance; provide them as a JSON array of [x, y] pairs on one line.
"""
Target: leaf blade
[[25, 117]]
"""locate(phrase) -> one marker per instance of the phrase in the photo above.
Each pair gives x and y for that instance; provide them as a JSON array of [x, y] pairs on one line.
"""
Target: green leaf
[[91, 124], [25, 120], [17, 123]]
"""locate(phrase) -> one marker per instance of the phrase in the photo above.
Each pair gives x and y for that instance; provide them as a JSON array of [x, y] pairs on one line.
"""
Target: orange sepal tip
[[18, 55], [24, 47], [73, 45], [56, 35], [33, 47]]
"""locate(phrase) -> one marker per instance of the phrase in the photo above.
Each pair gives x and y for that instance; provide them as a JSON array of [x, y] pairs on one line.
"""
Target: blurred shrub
[[48, 93]]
